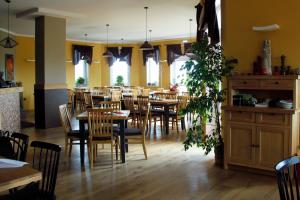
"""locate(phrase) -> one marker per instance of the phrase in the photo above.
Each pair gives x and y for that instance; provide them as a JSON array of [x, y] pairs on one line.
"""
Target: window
[[152, 72], [177, 75], [81, 70], [120, 68]]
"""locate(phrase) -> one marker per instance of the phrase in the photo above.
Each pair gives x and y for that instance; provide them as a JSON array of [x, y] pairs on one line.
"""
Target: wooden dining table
[[119, 117], [15, 173]]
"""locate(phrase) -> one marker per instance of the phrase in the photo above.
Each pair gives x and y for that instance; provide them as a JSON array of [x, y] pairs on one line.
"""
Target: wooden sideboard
[[260, 137]]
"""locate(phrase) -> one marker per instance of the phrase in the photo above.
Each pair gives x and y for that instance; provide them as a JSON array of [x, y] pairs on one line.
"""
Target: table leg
[[166, 107], [82, 140], [122, 137]]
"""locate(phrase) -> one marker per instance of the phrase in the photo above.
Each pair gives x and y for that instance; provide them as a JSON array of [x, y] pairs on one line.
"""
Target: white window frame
[[152, 73], [84, 72], [113, 76]]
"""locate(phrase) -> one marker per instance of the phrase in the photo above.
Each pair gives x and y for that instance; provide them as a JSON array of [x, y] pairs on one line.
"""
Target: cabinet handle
[[254, 145], [245, 82], [276, 82]]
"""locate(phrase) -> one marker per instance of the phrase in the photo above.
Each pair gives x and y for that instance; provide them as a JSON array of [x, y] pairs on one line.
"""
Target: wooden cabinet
[[260, 137], [240, 144]]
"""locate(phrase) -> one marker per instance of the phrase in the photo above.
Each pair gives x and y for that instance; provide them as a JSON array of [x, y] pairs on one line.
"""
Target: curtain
[[173, 52], [207, 20], [151, 53], [124, 54], [81, 52]]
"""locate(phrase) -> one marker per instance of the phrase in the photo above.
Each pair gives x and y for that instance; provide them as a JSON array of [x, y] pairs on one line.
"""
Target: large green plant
[[204, 82], [80, 81]]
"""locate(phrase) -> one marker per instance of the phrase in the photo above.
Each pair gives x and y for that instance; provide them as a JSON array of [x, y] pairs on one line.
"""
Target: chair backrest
[[182, 103], [129, 103], [115, 105], [146, 92], [14, 146], [100, 123], [160, 89], [20, 145], [65, 119], [287, 178], [46, 159], [143, 102], [135, 93], [116, 95], [88, 100]]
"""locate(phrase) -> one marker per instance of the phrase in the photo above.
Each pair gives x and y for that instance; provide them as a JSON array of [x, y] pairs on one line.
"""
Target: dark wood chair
[[287, 178], [46, 159], [14, 146]]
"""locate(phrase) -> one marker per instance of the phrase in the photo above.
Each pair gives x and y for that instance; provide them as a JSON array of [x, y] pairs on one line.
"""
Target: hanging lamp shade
[[146, 45], [107, 53], [8, 42]]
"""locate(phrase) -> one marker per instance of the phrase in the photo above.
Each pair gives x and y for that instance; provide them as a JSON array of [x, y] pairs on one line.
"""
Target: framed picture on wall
[[9, 67]]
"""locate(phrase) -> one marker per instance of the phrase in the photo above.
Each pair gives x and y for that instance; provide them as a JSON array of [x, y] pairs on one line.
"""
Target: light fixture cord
[[107, 25], [146, 8], [8, 17], [191, 30]]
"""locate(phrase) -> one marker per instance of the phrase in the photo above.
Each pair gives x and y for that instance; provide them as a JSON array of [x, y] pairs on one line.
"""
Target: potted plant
[[80, 81], [119, 81], [205, 72]]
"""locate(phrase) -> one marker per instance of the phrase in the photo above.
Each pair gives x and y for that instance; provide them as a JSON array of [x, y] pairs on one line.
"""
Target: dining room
[[149, 99]]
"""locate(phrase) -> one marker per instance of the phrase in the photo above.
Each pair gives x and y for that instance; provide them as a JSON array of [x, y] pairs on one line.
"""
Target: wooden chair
[[146, 92], [71, 101], [129, 105], [46, 159], [14, 146], [287, 178], [88, 100], [116, 95], [143, 103], [71, 136], [101, 132], [176, 114], [114, 105], [79, 100], [138, 135]]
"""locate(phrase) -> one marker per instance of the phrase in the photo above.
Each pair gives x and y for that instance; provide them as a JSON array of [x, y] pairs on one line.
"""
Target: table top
[[118, 115], [15, 173], [163, 102]]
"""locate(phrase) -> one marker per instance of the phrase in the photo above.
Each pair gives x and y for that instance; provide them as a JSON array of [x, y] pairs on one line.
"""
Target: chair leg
[[70, 148], [66, 146], [161, 123], [145, 151], [177, 127], [91, 156], [112, 153]]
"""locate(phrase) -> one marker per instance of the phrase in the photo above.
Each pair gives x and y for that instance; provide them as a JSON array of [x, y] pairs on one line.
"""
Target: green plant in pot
[[205, 72], [80, 81], [120, 81]]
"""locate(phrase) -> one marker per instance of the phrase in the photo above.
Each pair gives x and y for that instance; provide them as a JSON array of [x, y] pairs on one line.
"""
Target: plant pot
[[219, 155]]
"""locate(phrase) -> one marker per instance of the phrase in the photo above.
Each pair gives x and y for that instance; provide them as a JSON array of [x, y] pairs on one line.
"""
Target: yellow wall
[[25, 70], [98, 72], [240, 41]]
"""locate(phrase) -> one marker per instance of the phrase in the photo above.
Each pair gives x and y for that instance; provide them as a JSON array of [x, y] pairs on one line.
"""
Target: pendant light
[[8, 42], [120, 47], [107, 53], [189, 51], [146, 45], [150, 55]]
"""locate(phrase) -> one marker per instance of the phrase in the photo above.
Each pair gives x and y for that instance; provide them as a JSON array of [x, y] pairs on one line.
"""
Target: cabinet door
[[272, 146], [240, 139]]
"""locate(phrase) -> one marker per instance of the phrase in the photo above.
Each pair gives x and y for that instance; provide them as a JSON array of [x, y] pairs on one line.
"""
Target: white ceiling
[[169, 19]]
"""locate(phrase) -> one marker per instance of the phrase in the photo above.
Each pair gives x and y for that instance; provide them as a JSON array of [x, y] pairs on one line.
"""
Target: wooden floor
[[170, 173]]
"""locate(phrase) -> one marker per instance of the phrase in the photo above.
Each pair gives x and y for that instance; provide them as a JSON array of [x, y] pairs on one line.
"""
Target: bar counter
[[10, 117]]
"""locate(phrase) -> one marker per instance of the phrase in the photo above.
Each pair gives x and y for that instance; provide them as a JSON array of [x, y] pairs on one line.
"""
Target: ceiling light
[[189, 51], [107, 53], [146, 45], [8, 42]]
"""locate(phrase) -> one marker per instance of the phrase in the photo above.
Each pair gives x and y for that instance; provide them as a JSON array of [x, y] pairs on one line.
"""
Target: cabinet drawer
[[272, 118], [239, 116], [277, 84], [244, 84]]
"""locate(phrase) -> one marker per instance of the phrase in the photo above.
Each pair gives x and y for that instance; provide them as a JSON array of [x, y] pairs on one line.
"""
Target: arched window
[[152, 72], [120, 68]]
